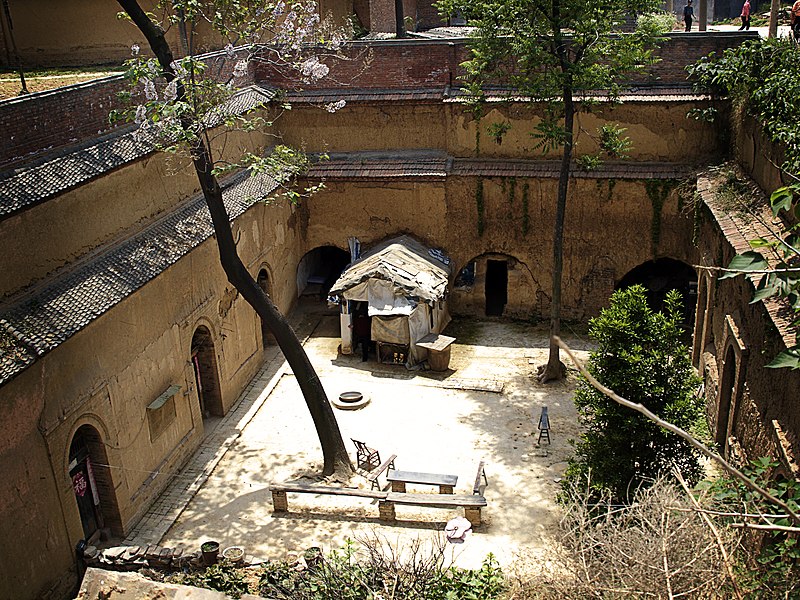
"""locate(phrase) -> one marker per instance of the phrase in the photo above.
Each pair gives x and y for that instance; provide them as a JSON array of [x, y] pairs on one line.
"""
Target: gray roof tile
[[25, 187], [38, 321]]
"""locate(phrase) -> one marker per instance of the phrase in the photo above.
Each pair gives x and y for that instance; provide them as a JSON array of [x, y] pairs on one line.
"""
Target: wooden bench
[[386, 500], [373, 476], [544, 426], [281, 504], [471, 504], [476, 489], [399, 480]]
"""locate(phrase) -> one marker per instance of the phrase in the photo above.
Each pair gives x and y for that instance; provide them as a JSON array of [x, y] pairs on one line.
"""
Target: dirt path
[[429, 424]]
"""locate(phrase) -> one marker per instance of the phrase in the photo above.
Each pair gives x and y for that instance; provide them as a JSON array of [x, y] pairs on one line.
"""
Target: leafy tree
[[183, 100], [641, 357], [762, 77], [552, 51]]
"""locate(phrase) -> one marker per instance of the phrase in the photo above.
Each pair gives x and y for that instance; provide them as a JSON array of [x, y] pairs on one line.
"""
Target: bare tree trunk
[[335, 455], [774, 9], [400, 25], [555, 369]]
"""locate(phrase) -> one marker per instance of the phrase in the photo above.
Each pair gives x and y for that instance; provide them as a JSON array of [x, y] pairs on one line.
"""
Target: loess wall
[[107, 374], [659, 130], [106, 209], [487, 201]]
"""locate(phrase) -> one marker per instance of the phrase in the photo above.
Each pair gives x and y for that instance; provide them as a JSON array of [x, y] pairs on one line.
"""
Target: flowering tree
[[182, 106]]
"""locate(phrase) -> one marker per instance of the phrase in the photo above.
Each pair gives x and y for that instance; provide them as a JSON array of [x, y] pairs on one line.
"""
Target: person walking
[[746, 16], [688, 14], [795, 21]]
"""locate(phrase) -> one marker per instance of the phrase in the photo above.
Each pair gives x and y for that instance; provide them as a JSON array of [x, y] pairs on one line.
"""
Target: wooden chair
[[367, 459], [544, 426]]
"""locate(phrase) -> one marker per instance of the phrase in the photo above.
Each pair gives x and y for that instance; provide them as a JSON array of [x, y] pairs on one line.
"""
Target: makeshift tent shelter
[[405, 286]]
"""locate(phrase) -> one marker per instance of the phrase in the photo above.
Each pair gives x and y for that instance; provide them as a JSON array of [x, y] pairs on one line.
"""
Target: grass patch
[[42, 80]]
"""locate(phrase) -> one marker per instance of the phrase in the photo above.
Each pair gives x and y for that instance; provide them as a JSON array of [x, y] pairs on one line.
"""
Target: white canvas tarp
[[404, 285], [391, 330], [381, 297]]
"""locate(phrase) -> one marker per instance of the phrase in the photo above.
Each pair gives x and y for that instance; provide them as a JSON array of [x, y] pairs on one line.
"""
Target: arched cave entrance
[[495, 288], [319, 269], [702, 327], [266, 286], [659, 277], [726, 393], [206, 377], [92, 484], [494, 284]]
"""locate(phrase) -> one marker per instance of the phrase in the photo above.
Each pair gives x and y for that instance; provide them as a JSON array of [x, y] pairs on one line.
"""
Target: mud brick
[[386, 511], [279, 501]]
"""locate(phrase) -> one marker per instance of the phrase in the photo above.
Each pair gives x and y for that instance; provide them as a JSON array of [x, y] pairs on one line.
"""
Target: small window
[[161, 412]]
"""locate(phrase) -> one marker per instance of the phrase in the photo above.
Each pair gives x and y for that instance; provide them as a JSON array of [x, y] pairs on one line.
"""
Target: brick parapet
[[738, 231], [38, 124]]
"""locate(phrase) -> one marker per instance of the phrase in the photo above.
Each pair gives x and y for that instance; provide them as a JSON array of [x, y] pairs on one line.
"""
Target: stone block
[[279, 501], [386, 511], [473, 515]]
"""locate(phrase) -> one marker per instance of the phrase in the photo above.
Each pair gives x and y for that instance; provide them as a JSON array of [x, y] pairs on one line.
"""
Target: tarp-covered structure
[[405, 285]]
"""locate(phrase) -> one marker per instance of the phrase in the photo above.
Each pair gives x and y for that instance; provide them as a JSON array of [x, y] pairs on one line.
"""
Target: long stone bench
[[471, 504], [281, 504]]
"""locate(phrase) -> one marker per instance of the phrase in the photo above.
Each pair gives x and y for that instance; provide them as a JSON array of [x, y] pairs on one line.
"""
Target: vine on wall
[[525, 217], [479, 205], [657, 191]]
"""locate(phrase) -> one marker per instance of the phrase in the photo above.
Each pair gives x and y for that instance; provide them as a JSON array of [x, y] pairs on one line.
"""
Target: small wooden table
[[438, 347], [399, 480]]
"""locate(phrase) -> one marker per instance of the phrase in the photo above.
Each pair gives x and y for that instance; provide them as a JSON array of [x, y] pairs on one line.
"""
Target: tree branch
[[733, 471]]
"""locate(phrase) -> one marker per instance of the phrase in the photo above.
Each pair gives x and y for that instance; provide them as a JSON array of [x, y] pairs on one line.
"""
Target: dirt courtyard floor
[[433, 422]]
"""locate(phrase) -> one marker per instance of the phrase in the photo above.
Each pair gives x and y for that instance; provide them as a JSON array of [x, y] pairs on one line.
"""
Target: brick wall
[[427, 16], [39, 122], [435, 63]]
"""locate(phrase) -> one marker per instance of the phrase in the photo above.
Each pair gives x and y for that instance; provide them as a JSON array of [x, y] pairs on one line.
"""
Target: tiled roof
[[654, 93], [739, 230], [41, 319], [24, 187], [327, 96], [445, 32], [484, 167], [642, 93], [437, 164], [344, 165]]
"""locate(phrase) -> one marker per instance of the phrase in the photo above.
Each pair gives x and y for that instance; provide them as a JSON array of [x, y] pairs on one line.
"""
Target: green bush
[[775, 572], [379, 573], [223, 577], [641, 357]]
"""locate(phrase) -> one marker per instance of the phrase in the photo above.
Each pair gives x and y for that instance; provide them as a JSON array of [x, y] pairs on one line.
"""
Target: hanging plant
[[479, 205], [657, 191], [525, 217]]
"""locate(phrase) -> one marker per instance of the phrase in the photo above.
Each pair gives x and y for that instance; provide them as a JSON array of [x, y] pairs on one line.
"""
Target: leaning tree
[[179, 103], [553, 51]]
